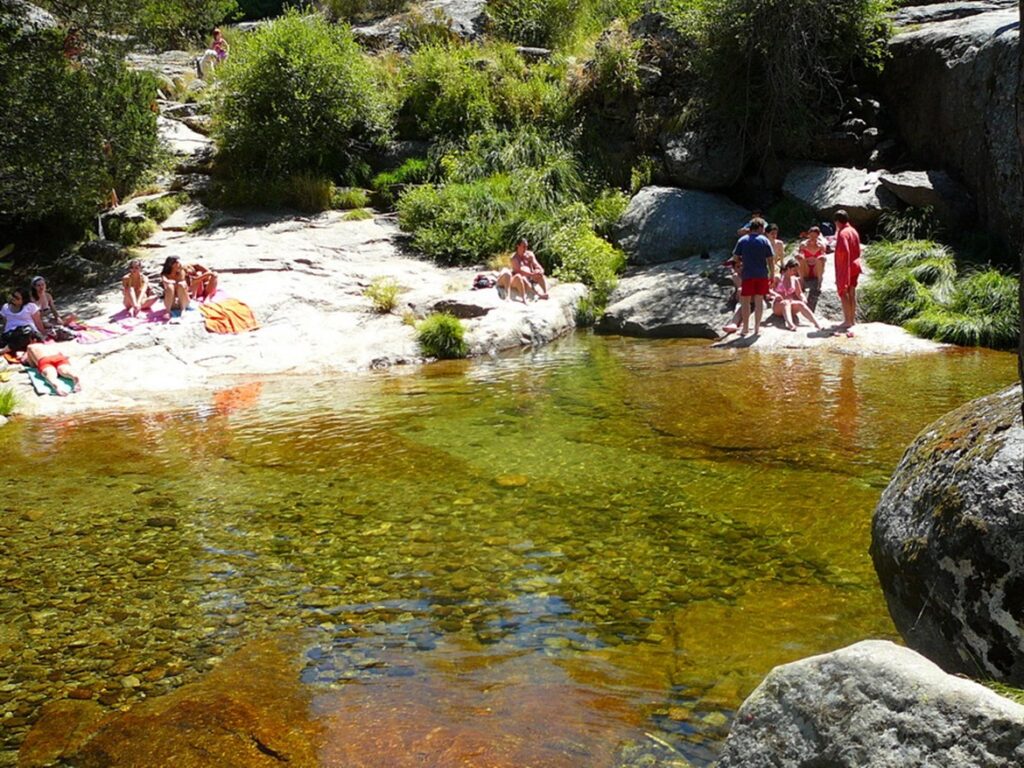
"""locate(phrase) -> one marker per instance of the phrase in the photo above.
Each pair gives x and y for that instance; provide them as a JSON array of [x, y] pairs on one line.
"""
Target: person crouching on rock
[[202, 281], [52, 364], [136, 289], [526, 276], [175, 283]]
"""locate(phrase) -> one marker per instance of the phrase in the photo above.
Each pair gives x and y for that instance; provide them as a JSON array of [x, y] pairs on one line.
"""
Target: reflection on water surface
[[620, 537]]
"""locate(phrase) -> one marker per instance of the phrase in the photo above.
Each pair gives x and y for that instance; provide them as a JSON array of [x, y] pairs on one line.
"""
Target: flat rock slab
[[873, 704], [304, 278], [930, 189], [180, 139]]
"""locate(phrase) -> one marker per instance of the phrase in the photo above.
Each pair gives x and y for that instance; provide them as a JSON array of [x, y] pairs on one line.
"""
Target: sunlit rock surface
[[947, 540], [873, 704]]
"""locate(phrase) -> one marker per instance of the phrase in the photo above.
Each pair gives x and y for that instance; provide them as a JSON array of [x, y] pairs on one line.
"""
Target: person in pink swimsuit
[[789, 303]]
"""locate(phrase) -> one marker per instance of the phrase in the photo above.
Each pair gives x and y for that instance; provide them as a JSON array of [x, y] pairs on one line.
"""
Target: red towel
[[228, 316]]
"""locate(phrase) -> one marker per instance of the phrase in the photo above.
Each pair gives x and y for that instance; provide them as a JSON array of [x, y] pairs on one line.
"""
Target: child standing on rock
[[756, 254]]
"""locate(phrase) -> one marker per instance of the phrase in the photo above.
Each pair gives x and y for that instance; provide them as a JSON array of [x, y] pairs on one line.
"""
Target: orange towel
[[228, 316]]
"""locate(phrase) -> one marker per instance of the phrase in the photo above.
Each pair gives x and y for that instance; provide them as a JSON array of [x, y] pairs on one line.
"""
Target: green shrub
[[607, 209], [346, 198], [57, 170], [441, 336], [8, 401], [162, 207], [792, 216], [299, 96], [415, 170], [161, 23], [544, 23], [895, 297], [581, 256], [641, 174], [130, 233], [383, 294], [446, 94], [909, 224], [358, 214], [362, 10], [615, 68]]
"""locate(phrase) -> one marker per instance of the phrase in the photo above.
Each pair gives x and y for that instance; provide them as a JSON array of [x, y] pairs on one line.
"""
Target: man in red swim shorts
[[756, 253], [848, 269]]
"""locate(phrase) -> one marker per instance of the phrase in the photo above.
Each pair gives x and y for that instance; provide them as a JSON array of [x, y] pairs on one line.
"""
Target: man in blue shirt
[[755, 252]]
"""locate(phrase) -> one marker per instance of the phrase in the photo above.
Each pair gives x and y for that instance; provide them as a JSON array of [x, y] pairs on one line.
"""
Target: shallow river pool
[[587, 555]]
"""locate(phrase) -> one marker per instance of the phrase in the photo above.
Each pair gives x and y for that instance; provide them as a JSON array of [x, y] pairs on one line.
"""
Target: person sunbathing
[[51, 365], [135, 287]]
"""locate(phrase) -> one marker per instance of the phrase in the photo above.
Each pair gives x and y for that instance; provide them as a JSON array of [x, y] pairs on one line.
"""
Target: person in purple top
[[756, 253]]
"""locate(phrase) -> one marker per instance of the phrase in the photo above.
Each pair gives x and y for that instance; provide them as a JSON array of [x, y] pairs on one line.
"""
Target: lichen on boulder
[[947, 540]]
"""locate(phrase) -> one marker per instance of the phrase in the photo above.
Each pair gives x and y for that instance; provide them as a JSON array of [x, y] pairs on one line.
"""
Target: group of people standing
[[762, 274]]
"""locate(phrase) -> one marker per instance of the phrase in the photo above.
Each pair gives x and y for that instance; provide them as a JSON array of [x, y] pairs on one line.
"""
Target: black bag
[[18, 339], [60, 333]]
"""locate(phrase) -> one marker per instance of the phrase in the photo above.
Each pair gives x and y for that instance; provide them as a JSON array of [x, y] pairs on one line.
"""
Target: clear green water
[[659, 522]]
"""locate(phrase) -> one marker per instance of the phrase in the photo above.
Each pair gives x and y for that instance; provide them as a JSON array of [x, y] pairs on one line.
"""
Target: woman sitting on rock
[[135, 286], [22, 323], [54, 324], [788, 300], [202, 281], [175, 284], [526, 277], [811, 256]]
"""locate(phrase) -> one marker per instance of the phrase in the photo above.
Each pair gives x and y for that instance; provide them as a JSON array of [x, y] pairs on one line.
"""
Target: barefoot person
[[811, 257], [526, 275], [175, 284], [778, 248], [756, 253], [848, 269], [40, 295], [52, 364], [789, 301], [21, 322], [202, 281], [135, 287]]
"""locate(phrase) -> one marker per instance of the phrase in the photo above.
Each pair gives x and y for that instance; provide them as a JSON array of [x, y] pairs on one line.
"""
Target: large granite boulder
[[931, 189], [873, 704], [464, 19], [26, 17], [947, 540], [827, 189], [708, 157], [664, 224], [689, 298], [951, 87]]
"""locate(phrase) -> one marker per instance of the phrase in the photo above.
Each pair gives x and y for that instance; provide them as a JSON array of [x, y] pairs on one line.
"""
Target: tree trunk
[[1020, 138]]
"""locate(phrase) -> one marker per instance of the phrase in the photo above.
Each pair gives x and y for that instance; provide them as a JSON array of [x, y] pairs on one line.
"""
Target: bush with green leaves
[[298, 96], [584, 257], [441, 336], [162, 23], [56, 170], [361, 10], [347, 198], [543, 23], [162, 207], [130, 233], [983, 310]]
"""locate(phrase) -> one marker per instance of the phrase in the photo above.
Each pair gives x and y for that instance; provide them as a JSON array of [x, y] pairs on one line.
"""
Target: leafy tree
[[299, 96], [70, 131]]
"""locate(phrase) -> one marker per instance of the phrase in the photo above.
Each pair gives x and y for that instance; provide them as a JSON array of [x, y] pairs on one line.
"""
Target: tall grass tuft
[[982, 311], [441, 336], [383, 294], [8, 401]]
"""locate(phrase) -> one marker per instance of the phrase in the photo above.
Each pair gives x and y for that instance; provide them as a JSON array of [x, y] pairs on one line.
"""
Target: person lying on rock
[[21, 321], [52, 364], [202, 281], [135, 286], [526, 277], [788, 296], [175, 284]]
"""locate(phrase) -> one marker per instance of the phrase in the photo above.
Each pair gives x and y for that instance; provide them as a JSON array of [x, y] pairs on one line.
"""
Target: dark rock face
[[827, 189], [951, 87], [947, 540], [934, 189], [873, 704], [664, 224], [710, 157]]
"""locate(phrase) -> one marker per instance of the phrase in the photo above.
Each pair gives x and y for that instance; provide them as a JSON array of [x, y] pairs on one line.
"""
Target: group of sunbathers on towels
[[31, 321]]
